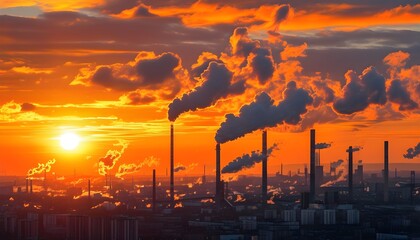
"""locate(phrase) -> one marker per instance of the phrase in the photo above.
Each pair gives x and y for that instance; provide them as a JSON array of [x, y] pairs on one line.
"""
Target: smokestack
[[154, 191], [386, 172], [218, 190], [312, 166], [89, 188], [30, 186], [281, 169], [204, 175], [27, 184], [306, 175], [45, 179], [412, 184], [106, 180], [350, 174], [172, 167], [264, 168]]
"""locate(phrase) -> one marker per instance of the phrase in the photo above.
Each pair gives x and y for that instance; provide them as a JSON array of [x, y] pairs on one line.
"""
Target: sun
[[69, 141]]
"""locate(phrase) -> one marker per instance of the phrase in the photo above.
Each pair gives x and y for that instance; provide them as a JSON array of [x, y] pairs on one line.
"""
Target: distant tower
[[312, 165], [306, 175], [154, 191], [171, 190], [218, 182], [412, 184], [281, 169], [204, 175], [350, 174], [264, 168], [386, 172]]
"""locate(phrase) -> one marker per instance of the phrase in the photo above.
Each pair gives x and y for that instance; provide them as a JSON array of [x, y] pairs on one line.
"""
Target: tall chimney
[[172, 167], [89, 188], [350, 173], [204, 175], [412, 184], [386, 172], [27, 184], [218, 187], [30, 186], [264, 168], [45, 179], [306, 175], [312, 166], [154, 191]]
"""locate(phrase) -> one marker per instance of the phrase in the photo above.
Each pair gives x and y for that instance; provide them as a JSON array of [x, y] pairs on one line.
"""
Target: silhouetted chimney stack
[[27, 184], [89, 188], [412, 184], [154, 191], [204, 175], [30, 186], [312, 166], [350, 174], [386, 172], [172, 193], [264, 168], [218, 187]]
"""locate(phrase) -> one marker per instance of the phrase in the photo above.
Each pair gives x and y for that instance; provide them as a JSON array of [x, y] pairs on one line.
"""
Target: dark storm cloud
[[281, 14], [263, 65], [247, 160], [412, 152], [116, 6], [148, 73], [262, 113], [360, 91], [137, 98], [361, 48], [241, 43], [398, 93], [217, 84], [157, 70]]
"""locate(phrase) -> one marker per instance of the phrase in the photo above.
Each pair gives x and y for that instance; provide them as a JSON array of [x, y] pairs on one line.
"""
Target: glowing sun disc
[[69, 141]]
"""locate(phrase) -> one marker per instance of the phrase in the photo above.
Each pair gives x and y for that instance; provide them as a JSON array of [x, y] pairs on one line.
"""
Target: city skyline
[[110, 72]]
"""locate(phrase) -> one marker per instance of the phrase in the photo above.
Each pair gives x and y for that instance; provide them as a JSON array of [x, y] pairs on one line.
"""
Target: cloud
[[24, 107], [137, 98], [262, 113], [412, 152], [247, 160], [360, 91], [262, 65], [148, 71], [291, 51], [217, 83], [397, 93]]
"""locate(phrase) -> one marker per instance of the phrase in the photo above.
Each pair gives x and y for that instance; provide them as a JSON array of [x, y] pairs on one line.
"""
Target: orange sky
[[107, 71]]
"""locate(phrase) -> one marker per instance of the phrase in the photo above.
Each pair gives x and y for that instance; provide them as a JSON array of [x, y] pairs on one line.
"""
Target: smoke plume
[[336, 164], [217, 84], [41, 168], [179, 167], [412, 152], [322, 145], [262, 113], [130, 168], [247, 161], [111, 158], [355, 149]]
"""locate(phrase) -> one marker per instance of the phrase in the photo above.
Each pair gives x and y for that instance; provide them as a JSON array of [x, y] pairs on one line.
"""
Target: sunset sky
[[108, 70]]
